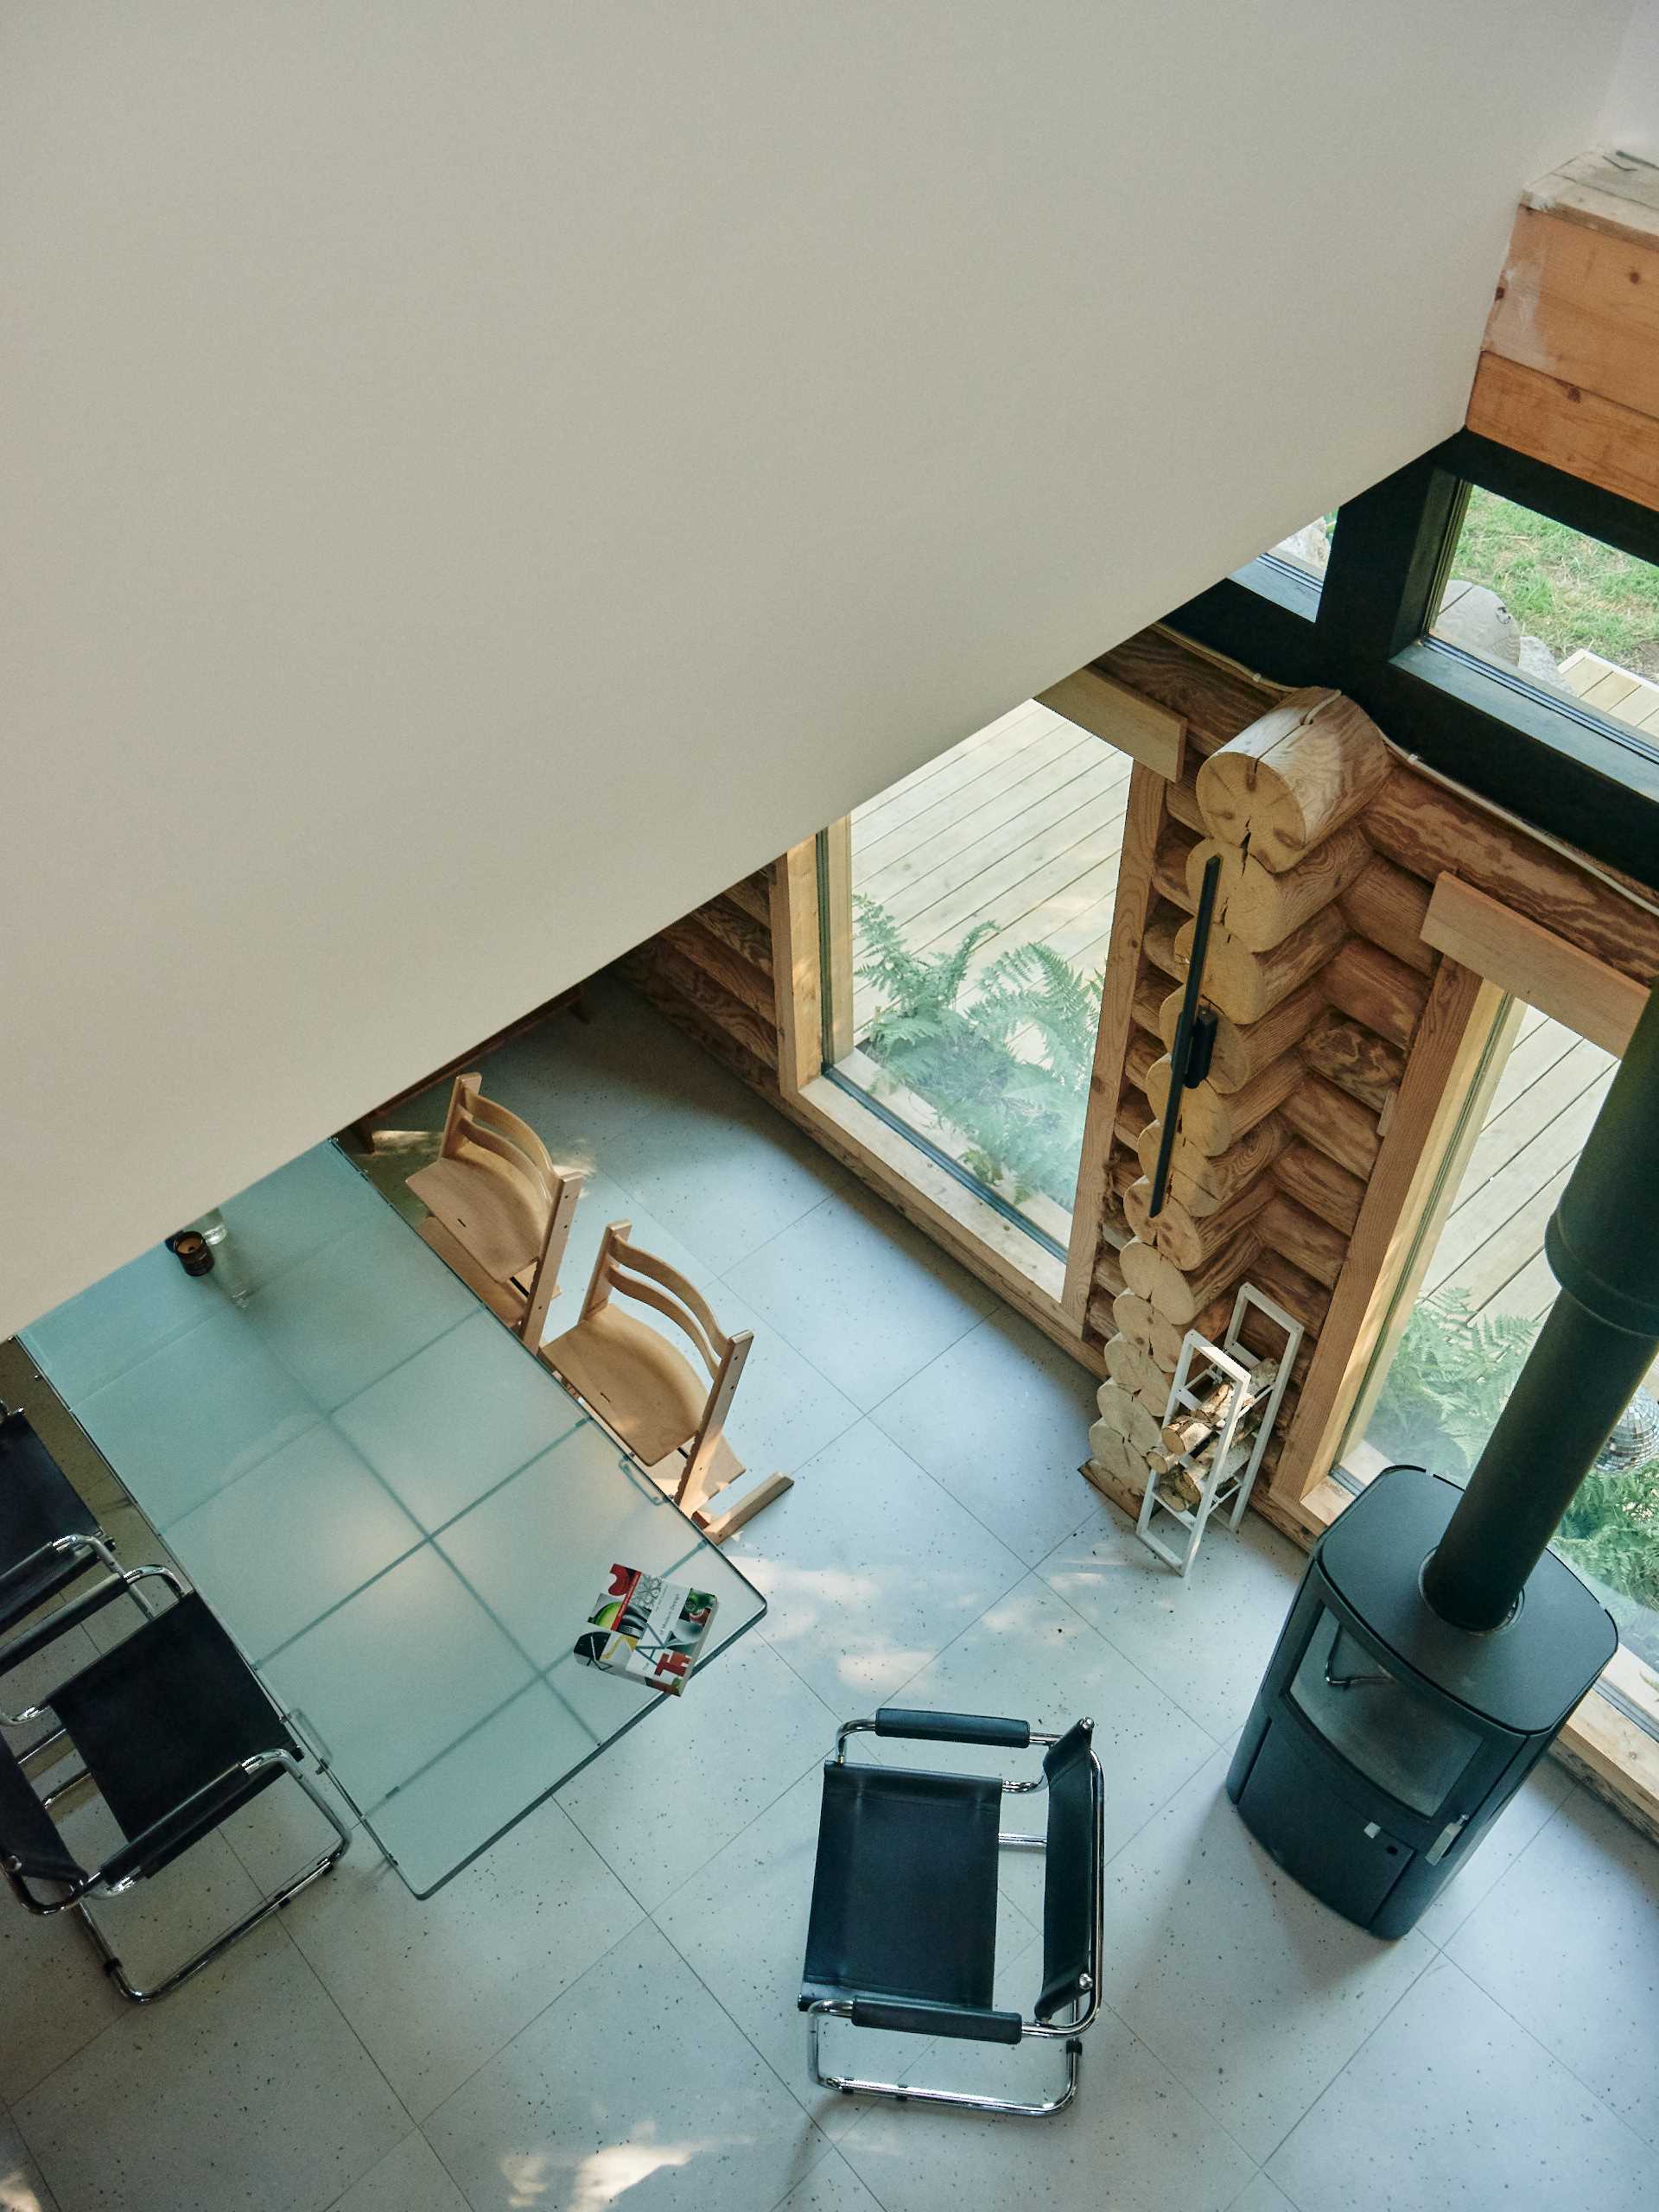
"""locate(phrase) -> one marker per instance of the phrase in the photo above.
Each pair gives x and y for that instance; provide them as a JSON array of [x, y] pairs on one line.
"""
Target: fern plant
[[1020, 1118], [1611, 1531], [1449, 1382], [1445, 1388]]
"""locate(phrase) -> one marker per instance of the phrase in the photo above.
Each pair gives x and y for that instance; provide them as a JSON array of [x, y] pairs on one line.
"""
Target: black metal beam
[[1387, 563], [1552, 491]]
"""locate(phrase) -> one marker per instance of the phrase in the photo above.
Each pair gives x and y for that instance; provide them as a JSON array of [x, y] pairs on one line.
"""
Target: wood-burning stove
[[1385, 1742], [1436, 1647]]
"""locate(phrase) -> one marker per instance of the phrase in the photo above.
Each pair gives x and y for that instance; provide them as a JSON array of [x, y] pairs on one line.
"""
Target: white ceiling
[[480, 478]]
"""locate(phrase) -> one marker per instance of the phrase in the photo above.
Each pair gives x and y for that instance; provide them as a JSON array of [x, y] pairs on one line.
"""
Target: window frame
[[807, 926], [1364, 629]]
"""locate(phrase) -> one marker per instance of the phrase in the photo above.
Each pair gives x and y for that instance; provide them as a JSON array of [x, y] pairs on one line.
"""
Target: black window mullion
[[1559, 766], [1387, 563]]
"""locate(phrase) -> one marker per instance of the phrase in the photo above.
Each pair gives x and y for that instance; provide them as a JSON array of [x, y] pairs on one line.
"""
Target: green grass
[[1570, 590]]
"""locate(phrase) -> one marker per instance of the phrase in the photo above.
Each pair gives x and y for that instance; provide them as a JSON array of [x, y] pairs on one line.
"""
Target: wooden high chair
[[648, 1394], [499, 1211]]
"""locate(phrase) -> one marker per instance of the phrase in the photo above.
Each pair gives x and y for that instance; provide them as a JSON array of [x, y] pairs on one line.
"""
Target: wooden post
[[1142, 823], [795, 982], [1456, 1028], [836, 983]]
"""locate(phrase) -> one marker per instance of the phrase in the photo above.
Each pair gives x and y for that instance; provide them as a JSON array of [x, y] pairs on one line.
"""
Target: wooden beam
[[1582, 305], [1598, 440], [1430, 830], [1153, 735], [733, 971], [799, 1004], [1569, 365], [1615, 193], [1610, 1752], [1142, 823], [754, 895], [1453, 1035], [1215, 700], [1533, 963]]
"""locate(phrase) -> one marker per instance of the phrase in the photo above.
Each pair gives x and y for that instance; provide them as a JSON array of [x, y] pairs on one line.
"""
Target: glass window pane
[[1307, 548], [1484, 1296], [1409, 1745], [1576, 618], [979, 912]]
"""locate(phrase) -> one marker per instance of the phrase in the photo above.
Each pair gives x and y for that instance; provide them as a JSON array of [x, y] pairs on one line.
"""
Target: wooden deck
[[1021, 825], [1492, 1246]]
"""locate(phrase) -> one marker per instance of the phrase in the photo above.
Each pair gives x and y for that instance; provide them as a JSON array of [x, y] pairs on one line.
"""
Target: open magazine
[[647, 1629]]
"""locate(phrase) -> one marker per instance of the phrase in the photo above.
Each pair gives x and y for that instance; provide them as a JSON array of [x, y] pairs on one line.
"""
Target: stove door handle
[[1443, 1842]]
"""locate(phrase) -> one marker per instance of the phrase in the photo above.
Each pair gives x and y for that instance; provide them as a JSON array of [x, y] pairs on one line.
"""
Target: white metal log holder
[[1224, 1461]]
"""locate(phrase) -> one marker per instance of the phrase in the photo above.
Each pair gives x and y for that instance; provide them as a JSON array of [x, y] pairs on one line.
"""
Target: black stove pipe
[[1601, 1337]]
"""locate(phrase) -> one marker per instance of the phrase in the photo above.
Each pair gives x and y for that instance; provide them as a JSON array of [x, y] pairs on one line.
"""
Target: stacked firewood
[[1317, 977]]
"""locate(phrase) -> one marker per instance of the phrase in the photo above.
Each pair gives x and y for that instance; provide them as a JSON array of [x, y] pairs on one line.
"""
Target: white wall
[[483, 476], [1629, 117]]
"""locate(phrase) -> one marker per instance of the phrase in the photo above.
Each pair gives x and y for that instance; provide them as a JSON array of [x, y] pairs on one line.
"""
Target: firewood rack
[[1223, 1462]]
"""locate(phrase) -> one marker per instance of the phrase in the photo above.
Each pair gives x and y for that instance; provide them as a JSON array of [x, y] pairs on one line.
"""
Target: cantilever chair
[[175, 1733], [48, 1536], [648, 1394], [903, 1931], [499, 1210]]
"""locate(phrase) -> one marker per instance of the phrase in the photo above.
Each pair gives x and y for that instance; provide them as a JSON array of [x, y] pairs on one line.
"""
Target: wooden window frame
[[811, 929], [811, 921]]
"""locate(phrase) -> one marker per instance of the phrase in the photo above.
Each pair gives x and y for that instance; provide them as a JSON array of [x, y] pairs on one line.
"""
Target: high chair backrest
[[523, 1240], [474, 1119], [622, 1267]]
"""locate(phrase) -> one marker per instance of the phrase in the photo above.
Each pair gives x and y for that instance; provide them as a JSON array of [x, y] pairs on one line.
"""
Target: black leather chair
[[49, 1537], [903, 1931], [175, 1733]]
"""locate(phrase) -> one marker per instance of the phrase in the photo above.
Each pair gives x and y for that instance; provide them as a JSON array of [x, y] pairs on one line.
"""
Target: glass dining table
[[396, 1510]]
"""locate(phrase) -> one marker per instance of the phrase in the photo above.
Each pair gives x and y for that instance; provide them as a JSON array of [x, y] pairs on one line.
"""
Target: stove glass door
[[1407, 1743]]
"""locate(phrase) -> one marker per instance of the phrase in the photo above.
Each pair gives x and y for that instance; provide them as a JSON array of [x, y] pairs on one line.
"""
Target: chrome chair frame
[[98, 1883], [96, 1546], [1069, 2032]]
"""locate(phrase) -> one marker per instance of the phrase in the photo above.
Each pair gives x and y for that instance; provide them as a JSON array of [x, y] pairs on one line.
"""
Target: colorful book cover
[[647, 1629]]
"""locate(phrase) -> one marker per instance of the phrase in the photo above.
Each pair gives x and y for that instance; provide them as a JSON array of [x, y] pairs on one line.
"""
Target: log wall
[[1330, 849], [1315, 1018], [713, 974]]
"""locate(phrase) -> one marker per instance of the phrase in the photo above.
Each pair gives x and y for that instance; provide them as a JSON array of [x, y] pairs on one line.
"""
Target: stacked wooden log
[[1318, 979], [712, 974]]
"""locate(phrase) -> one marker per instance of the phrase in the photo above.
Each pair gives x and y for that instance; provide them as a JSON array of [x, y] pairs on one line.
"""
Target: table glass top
[[397, 1512]]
